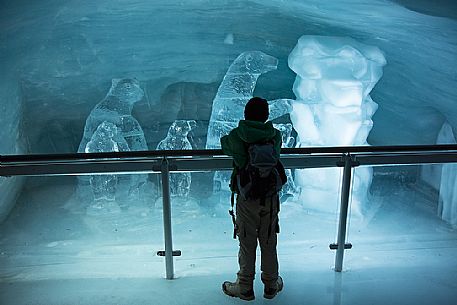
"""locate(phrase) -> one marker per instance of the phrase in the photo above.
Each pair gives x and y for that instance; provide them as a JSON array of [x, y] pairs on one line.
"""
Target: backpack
[[259, 178]]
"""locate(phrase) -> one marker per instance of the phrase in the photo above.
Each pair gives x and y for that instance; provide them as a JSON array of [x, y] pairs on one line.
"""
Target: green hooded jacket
[[234, 144]]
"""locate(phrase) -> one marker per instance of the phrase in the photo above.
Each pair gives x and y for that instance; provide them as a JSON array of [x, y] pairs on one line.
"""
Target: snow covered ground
[[52, 252]]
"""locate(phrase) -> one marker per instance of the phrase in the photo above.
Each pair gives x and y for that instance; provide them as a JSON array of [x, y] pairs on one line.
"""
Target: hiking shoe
[[234, 290], [271, 292]]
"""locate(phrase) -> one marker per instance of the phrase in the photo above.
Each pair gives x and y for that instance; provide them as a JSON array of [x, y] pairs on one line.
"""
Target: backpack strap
[[232, 213]]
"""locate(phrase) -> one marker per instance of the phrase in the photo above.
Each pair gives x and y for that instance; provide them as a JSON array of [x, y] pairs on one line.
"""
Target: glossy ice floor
[[52, 252]]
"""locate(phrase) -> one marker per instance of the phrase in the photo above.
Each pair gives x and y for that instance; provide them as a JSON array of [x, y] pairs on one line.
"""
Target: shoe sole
[[270, 296]]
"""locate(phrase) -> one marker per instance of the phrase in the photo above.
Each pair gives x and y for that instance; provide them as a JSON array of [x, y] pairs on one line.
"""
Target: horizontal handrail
[[206, 160], [219, 152]]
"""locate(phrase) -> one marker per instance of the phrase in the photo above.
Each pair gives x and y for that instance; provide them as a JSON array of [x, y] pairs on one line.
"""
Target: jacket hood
[[254, 131]]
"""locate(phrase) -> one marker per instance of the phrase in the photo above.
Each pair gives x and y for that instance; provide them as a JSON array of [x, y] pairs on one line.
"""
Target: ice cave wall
[[67, 53], [58, 59], [10, 135]]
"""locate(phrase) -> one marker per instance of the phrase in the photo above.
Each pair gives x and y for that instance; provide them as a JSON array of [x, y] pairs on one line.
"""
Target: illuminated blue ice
[[115, 110], [447, 207], [235, 90], [176, 139], [102, 140], [335, 76], [289, 189], [57, 62]]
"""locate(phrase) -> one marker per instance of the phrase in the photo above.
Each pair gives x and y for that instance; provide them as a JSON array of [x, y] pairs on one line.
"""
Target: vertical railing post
[[167, 219], [342, 226]]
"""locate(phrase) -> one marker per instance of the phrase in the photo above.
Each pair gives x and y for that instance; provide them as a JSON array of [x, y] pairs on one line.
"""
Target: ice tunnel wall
[[58, 59], [10, 135], [67, 54]]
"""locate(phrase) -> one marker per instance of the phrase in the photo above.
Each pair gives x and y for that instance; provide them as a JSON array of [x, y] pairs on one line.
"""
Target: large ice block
[[333, 108]]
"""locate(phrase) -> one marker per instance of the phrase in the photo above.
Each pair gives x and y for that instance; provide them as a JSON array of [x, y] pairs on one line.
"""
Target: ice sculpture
[[333, 108], [279, 107], [104, 186], [289, 189], [234, 92], [116, 108], [447, 207], [176, 139], [236, 89]]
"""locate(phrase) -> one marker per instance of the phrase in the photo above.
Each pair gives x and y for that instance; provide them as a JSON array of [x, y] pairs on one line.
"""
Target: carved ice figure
[[333, 108], [279, 107], [102, 140], [176, 139], [289, 189], [116, 108], [236, 89]]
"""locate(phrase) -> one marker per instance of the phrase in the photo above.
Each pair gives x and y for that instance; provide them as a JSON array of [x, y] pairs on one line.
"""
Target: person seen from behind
[[257, 177]]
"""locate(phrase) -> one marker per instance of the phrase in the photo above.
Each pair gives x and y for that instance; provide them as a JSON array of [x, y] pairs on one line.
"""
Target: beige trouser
[[257, 220]]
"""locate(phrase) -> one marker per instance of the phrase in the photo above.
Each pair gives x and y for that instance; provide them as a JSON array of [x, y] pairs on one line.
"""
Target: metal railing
[[166, 161]]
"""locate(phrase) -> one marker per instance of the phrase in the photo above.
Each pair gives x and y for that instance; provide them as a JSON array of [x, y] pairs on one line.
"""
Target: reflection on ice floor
[[53, 253]]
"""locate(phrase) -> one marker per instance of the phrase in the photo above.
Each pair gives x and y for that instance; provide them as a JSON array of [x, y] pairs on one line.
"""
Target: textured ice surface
[[448, 183], [10, 135], [104, 186], [55, 254], [112, 118], [289, 189], [236, 88], [333, 108], [102, 139], [279, 108], [62, 52], [72, 53], [116, 108], [176, 139], [234, 92]]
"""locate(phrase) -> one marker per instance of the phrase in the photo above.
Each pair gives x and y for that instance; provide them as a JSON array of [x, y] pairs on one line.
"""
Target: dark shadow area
[[439, 8]]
